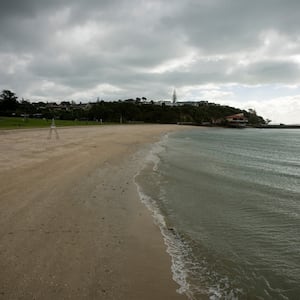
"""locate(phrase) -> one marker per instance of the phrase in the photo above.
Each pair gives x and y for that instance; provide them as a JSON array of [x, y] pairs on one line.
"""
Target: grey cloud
[[230, 26], [131, 38], [25, 8], [270, 71]]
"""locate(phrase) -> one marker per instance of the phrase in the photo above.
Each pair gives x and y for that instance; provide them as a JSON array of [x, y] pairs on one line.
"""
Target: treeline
[[127, 111]]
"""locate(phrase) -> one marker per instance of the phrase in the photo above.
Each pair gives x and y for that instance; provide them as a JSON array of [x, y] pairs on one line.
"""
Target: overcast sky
[[244, 53]]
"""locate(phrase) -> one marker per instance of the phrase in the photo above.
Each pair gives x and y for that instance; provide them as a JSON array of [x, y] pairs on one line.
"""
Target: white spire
[[174, 97]]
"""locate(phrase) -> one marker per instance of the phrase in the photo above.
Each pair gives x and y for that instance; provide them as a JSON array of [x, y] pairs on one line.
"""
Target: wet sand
[[71, 223]]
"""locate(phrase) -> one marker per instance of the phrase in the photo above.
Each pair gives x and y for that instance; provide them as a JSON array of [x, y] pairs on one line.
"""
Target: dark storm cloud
[[230, 25], [122, 48]]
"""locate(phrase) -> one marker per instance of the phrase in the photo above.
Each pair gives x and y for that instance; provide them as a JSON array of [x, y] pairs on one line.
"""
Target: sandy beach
[[71, 222]]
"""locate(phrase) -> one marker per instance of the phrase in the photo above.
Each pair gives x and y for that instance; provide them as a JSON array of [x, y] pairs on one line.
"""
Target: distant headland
[[138, 110]]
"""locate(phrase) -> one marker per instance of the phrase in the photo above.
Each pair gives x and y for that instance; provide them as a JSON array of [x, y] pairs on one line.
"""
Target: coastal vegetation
[[138, 110]]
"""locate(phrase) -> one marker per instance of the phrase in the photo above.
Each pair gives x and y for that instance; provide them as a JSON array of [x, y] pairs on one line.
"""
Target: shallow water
[[228, 204]]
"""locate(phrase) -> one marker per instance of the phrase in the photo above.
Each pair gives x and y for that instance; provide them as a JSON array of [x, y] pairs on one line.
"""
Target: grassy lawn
[[15, 123]]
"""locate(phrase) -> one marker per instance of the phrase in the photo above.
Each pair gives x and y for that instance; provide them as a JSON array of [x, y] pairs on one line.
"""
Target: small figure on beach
[[53, 127]]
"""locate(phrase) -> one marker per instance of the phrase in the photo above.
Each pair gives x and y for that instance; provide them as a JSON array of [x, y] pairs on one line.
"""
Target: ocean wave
[[194, 277]]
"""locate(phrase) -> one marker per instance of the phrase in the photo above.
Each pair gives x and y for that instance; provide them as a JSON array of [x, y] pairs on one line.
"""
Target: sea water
[[228, 205]]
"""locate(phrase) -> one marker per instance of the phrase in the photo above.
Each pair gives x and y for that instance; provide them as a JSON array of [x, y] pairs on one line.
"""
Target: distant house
[[165, 102], [237, 120], [190, 103]]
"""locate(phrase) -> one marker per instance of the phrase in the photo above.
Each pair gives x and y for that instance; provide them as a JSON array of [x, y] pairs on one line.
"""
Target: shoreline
[[72, 223]]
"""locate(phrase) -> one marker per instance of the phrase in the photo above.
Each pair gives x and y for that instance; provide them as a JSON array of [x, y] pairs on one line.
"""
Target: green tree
[[8, 101]]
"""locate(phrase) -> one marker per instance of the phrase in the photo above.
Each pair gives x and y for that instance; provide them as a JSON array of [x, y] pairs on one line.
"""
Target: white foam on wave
[[175, 247], [153, 155]]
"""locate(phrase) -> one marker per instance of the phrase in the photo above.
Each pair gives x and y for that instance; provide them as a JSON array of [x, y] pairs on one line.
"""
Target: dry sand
[[71, 223]]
